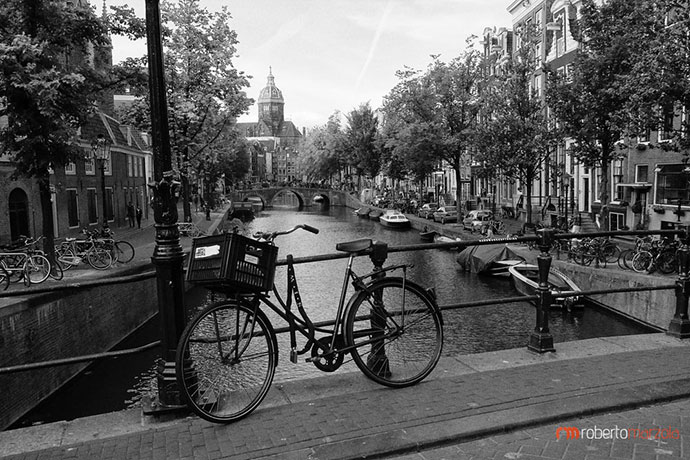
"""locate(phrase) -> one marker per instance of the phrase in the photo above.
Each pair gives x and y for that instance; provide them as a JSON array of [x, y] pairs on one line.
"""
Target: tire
[[410, 334], [123, 252], [99, 258], [4, 278], [642, 262], [37, 268], [56, 271], [611, 252], [666, 262], [625, 258], [219, 385]]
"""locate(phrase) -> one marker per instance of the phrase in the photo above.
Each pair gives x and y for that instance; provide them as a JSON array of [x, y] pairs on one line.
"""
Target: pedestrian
[[139, 213], [130, 214]]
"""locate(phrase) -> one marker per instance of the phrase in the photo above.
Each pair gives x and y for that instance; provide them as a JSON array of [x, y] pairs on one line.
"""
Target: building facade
[[276, 139]]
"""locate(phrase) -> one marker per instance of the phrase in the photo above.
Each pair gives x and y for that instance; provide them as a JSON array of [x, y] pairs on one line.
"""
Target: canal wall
[[653, 308], [60, 325]]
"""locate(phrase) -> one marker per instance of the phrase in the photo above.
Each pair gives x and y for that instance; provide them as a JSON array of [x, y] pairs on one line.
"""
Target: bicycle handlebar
[[270, 236]]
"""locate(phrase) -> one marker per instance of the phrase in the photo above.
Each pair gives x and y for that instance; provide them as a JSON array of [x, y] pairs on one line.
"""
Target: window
[[91, 205], [70, 169], [666, 128], [672, 185], [130, 166], [109, 203], [641, 173], [616, 221], [89, 166], [72, 207], [107, 165]]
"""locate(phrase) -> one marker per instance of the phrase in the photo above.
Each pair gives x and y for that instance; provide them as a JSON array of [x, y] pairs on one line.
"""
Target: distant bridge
[[304, 195]]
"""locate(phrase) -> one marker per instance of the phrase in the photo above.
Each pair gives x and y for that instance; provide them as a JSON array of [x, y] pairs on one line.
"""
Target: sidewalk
[[469, 407]]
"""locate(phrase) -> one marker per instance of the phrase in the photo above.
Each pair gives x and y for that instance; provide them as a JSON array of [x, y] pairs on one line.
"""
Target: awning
[[637, 185]]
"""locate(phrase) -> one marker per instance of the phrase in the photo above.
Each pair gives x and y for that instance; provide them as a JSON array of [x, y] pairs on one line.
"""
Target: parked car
[[475, 219], [426, 211], [446, 214]]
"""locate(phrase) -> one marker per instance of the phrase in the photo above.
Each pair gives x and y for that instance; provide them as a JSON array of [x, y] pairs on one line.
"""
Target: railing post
[[680, 324], [377, 359], [541, 340]]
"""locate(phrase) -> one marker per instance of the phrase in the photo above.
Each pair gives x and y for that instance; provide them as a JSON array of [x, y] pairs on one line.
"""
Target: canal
[[116, 384]]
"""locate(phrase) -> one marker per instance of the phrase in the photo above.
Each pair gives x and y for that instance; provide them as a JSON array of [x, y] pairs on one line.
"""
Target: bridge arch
[[305, 195]]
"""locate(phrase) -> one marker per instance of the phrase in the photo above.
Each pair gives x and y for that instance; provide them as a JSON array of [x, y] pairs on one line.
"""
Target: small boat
[[375, 214], [494, 259], [427, 235], [526, 282], [394, 219], [438, 238], [363, 212]]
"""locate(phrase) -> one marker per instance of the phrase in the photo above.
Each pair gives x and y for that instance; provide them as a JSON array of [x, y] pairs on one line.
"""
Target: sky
[[334, 55]]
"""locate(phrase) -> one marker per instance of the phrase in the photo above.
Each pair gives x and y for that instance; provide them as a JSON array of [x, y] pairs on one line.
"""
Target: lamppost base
[[679, 328], [540, 342]]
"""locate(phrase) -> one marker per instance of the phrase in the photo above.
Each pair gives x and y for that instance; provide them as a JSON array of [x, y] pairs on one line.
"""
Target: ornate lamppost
[[167, 255], [100, 149]]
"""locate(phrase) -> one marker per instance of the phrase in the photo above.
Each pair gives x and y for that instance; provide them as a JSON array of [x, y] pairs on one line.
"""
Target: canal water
[[116, 384]]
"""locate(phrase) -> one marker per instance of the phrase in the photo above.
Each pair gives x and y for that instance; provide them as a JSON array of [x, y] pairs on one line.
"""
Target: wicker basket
[[232, 262]]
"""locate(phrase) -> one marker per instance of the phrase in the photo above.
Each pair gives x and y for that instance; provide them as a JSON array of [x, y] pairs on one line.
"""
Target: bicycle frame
[[304, 325]]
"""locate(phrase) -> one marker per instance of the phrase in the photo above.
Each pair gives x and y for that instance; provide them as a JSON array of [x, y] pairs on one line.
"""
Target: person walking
[[139, 213], [130, 214]]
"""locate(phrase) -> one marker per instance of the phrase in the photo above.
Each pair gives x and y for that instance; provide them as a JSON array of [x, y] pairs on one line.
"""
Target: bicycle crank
[[328, 361]]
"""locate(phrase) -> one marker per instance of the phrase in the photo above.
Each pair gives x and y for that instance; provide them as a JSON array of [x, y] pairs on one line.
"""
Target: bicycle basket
[[230, 261]]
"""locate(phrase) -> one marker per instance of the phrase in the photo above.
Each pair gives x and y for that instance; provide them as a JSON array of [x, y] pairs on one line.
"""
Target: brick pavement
[[484, 396]]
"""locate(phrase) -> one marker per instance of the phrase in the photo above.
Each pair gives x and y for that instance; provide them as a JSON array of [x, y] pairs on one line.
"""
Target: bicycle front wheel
[[226, 360], [99, 258], [396, 331], [37, 268], [642, 262], [123, 252]]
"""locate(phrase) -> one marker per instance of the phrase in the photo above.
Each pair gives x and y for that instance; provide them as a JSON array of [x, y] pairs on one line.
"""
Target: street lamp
[[100, 148], [566, 186]]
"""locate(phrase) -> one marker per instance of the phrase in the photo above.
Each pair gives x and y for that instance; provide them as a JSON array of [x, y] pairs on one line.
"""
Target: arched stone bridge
[[304, 195]]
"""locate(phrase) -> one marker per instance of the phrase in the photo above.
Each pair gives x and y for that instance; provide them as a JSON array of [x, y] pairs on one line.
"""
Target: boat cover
[[480, 259]]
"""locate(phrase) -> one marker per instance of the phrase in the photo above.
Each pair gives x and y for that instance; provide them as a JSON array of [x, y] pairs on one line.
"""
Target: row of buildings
[[650, 186]]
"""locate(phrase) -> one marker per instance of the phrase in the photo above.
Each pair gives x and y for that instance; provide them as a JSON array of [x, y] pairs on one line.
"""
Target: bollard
[[377, 360], [680, 324], [541, 340]]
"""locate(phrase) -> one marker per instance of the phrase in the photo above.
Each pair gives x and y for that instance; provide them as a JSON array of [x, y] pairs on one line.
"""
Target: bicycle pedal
[[293, 355]]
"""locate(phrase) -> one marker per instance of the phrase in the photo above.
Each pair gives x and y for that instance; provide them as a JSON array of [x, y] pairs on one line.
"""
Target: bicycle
[[72, 252], [190, 229], [659, 255], [391, 327], [121, 251], [23, 263]]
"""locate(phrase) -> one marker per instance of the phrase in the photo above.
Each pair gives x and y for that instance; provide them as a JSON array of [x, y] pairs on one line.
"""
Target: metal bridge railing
[[540, 341]]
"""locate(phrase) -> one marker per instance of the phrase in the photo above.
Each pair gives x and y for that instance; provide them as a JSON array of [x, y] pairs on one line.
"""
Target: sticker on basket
[[250, 259], [207, 251]]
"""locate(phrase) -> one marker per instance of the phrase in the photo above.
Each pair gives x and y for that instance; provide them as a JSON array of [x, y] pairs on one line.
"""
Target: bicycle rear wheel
[[397, 332], [37, 268], [4, 278], [56, 271], [226, 360], [123, 252], [666, 262], [642, 262]]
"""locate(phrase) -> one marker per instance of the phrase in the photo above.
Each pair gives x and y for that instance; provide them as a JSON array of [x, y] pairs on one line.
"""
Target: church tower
[[271, 105]]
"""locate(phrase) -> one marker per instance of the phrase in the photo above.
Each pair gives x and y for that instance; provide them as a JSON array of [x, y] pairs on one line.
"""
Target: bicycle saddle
[[354, 246]]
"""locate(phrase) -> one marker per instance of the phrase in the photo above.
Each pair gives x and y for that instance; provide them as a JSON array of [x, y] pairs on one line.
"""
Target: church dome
[[270, 93]]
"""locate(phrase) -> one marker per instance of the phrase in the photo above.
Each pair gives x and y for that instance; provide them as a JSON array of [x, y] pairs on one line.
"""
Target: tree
[[361, 138], [323, 152], [514, 136], [592, 102], [437, 110], [47, 88], [205, 90]]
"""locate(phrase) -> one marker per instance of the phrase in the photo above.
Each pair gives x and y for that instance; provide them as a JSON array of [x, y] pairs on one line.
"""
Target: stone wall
[[63, 325], [655, 308]]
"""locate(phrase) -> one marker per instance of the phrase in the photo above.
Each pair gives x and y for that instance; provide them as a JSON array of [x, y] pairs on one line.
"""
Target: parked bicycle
[[72, 252], [22, 263], [121, 251], [189, 229], [657, 255], [226, 358]]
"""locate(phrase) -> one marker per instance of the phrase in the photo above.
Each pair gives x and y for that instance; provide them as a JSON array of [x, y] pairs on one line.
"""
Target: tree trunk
[[186, 208], [47, 217], [458, 189], [604, 194]]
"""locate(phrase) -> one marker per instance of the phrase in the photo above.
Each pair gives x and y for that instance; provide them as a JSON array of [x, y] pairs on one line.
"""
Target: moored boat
[[394, 219], [375, 214], [439, 238], [363, 212], [427, 235], [494, 259], [526, 281]]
